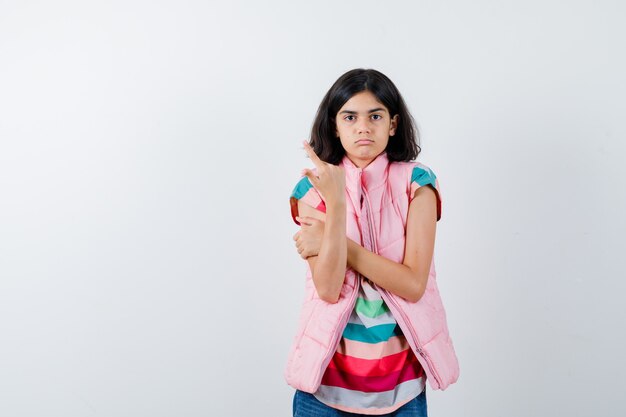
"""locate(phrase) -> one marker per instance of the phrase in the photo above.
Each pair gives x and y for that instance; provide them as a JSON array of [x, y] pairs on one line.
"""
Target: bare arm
[[329, 267], [407, 279]]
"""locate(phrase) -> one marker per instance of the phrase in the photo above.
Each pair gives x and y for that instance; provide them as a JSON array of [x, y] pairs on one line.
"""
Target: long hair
[[405, 143]]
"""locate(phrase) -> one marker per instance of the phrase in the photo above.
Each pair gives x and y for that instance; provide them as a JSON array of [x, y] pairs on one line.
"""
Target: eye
[[349, 118], [376, 116]]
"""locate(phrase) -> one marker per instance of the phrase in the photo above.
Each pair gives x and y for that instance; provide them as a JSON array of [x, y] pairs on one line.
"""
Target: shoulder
[[415, 172], [305, 192], [302, 188], [424, 176]]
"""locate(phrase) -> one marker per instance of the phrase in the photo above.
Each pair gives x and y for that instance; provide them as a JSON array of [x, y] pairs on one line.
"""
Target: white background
[[148, 148]]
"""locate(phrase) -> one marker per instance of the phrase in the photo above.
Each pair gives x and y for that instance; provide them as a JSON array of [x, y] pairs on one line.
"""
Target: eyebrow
[[370, 111]]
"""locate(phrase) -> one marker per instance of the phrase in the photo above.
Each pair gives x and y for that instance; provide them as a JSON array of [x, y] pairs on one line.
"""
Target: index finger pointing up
[[312, 155]]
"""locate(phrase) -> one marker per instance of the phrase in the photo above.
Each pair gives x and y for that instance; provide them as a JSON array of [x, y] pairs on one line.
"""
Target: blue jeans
[[306, 405]]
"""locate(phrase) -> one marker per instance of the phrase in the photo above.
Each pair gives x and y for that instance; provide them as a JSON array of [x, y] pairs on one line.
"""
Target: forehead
[[363, 102]]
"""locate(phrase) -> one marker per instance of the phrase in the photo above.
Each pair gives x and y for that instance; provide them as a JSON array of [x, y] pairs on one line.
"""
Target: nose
[[363, 126]]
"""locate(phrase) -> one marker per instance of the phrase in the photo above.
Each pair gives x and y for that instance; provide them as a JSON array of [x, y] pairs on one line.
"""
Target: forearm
[[395, 277], [330, 266]]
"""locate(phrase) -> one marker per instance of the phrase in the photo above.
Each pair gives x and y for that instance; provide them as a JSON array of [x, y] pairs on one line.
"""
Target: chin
[[368, 153]]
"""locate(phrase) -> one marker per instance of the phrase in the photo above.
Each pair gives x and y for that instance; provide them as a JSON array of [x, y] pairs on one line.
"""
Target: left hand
[[309, 238]]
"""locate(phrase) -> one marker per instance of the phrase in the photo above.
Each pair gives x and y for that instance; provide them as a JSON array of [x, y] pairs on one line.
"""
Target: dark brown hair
[[405, 143]]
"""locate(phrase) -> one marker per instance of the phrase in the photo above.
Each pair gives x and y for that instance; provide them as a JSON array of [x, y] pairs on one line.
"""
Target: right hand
[[309, 237], [330, 180]]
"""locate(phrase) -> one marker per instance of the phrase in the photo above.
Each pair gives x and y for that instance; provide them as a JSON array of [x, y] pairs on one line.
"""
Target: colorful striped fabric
[[422, 175], [373, 371], [304, 191]]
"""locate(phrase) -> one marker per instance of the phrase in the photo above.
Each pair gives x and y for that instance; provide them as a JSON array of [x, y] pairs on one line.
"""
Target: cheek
[[341, 132], [343, 143]]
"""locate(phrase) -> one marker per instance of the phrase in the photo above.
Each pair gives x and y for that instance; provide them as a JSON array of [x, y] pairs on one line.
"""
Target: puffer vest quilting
[[386, 189]]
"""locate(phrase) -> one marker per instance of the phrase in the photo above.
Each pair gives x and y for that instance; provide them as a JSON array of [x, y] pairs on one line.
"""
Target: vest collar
[[369, 177]]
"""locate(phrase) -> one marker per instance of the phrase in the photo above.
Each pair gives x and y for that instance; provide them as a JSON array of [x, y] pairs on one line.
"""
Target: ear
[[394, 125]]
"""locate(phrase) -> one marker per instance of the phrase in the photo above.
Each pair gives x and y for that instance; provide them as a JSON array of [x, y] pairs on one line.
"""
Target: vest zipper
[[418, 347], [390, 300]]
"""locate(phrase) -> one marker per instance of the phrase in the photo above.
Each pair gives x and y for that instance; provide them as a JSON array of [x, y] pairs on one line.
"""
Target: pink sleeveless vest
[[386, 189]]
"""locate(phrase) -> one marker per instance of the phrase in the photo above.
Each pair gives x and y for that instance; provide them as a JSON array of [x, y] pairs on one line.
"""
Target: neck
[[361, 163]]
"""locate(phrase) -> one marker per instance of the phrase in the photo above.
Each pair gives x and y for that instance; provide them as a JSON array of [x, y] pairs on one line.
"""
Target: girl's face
[[364, 126]]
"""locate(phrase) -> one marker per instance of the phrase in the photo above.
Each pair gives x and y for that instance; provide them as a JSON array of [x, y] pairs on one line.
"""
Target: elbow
[[328, 294], [414, 297], [326, 291], [330, 298], [416, 292]]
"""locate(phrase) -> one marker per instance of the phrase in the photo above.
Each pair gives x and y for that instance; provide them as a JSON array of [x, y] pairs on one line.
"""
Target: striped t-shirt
[[374, 370]]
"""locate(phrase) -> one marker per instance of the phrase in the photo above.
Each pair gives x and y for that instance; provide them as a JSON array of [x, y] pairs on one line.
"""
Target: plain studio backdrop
[[148, 150]]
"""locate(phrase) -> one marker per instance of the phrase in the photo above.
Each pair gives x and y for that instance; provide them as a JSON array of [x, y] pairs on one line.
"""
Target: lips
[[364, 141]]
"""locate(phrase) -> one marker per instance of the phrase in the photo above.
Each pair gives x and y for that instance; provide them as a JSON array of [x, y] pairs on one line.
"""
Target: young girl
[[373, 328]]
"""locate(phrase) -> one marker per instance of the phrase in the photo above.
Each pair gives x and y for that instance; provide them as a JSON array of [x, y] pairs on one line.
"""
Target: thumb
[[304, 221]]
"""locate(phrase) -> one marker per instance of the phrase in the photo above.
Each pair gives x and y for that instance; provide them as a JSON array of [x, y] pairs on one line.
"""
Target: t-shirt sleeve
[[423, 176], [305, 191]]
